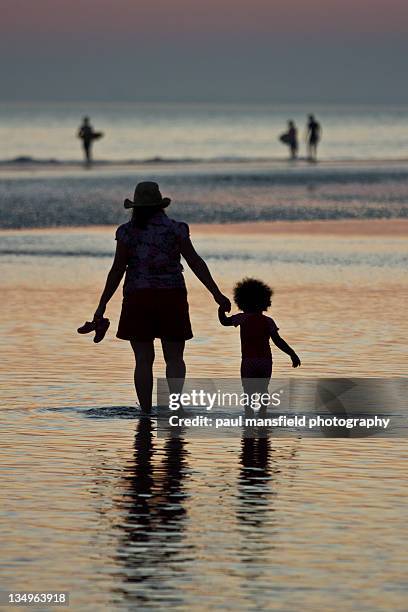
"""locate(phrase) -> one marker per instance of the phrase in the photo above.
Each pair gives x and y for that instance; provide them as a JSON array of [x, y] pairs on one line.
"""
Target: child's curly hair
[[251, 295]]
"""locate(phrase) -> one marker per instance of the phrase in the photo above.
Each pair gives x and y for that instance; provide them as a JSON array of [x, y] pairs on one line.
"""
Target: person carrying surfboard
[[290, 138], [87, 134]]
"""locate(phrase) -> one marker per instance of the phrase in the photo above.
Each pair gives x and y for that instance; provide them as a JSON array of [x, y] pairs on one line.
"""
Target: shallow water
[[199, 131], [95, 504]]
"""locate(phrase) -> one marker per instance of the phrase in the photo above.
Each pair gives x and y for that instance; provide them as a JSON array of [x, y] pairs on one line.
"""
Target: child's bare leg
[[256, 374]]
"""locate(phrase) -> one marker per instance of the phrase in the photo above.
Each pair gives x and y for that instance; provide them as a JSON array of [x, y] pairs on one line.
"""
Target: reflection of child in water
[[253, 297]]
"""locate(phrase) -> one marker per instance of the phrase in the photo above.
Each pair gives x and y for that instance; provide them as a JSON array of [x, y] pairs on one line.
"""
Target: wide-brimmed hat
[[147, 194]]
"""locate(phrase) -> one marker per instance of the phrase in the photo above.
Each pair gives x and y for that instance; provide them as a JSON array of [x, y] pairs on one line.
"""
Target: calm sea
[[203, 132]]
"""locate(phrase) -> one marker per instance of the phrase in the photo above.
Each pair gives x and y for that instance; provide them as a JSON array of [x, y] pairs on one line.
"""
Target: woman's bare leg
[[144, 356], [175, 367]]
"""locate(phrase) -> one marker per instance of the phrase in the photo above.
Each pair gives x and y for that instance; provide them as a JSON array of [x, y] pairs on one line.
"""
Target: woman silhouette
[[154, 293]]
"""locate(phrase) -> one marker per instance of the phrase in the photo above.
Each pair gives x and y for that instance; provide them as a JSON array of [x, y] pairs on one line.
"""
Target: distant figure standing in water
[[290, 138], [155, 302], [293, 139], [87, 135], [313, 136]]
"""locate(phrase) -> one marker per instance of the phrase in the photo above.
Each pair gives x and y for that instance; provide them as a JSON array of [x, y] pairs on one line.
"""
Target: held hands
[[295, 361], [222, 301]]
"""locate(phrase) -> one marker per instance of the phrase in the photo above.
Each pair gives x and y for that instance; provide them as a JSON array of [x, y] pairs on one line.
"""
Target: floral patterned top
[[153, 253]]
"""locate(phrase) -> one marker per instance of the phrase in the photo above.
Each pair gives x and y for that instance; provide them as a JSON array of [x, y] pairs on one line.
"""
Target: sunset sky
[[221, 50]]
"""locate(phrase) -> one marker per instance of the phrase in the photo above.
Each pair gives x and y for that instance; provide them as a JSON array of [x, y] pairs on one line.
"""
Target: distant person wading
[[313, 137], [87, 134], [155, 303]]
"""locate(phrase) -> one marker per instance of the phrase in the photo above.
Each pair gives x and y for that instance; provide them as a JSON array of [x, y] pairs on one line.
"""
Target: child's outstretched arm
[[284, 346], [223, 319]]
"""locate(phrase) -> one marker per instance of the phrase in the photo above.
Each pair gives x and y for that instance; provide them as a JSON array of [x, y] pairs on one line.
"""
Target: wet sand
[[53, 167], [345, 227]]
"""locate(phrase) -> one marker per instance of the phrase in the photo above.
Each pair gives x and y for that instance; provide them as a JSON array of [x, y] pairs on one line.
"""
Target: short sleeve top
[[255, 331], [153, 253]]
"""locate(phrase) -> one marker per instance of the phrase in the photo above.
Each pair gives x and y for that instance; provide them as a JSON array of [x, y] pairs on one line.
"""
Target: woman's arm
[[284, 346], [115, 275], [200, 269]]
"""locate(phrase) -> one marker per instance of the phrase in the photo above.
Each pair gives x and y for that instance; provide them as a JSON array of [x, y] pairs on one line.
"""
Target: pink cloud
[[149, 18]]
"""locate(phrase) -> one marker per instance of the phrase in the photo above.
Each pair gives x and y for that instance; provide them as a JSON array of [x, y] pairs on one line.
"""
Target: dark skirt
[[155, 313]]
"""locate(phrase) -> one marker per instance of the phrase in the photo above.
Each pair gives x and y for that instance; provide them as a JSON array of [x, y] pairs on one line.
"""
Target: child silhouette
[[253, 297]]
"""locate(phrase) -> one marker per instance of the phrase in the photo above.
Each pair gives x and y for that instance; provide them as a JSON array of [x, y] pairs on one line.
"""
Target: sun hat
[[147, 194]]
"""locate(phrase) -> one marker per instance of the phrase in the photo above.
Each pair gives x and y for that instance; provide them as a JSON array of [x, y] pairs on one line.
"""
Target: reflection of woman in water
[[153, 498], [313, 136], [155, 298]]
